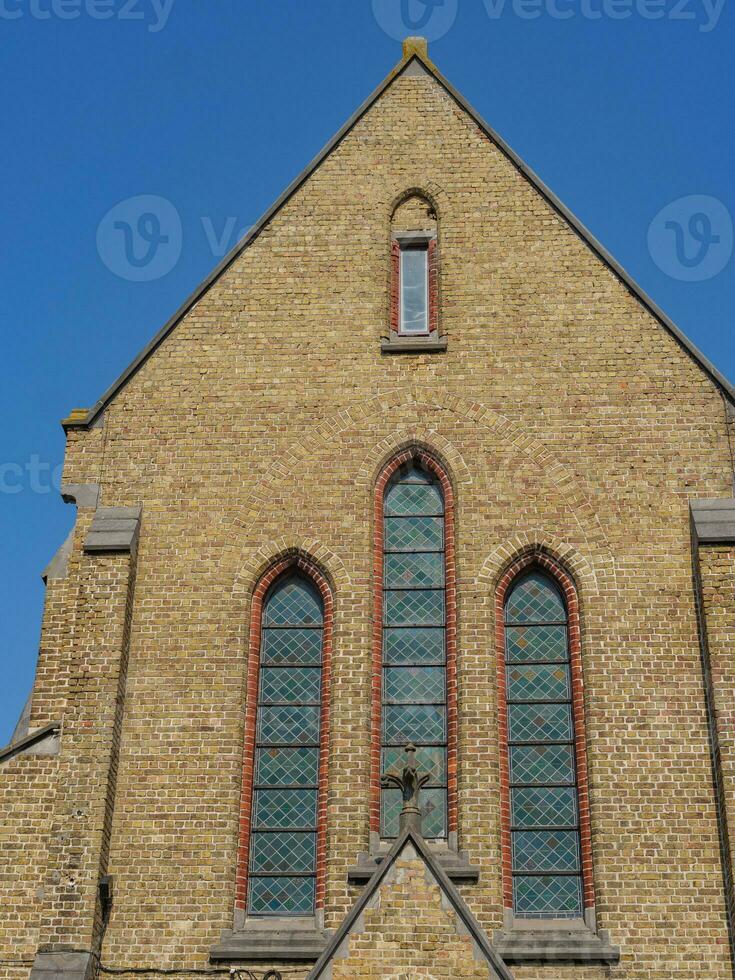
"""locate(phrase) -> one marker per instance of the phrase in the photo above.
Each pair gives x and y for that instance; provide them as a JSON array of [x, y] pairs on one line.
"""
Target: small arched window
[[415, 283], [282, 846], [543, 766]]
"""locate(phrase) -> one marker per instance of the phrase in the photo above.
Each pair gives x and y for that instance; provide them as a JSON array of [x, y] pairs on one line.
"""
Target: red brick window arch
[[414, 641], [547, 854], [281, 861], [414, 268]]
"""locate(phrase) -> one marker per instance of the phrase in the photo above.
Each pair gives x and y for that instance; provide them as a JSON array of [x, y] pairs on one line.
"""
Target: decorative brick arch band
[[552, 568], [305, 565], [425, 458]]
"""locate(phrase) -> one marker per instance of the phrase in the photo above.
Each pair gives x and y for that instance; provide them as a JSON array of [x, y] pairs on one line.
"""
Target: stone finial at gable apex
[[416, 45]]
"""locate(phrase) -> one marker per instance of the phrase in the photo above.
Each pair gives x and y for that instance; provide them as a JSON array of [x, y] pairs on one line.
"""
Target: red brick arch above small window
[[414, 280]]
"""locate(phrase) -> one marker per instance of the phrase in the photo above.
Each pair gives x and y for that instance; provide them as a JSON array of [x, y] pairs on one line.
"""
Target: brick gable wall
[[566, 415]]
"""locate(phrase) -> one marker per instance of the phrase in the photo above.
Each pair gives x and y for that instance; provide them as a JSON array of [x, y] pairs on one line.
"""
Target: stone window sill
[[273, 941], [433, 344], [554, 941]]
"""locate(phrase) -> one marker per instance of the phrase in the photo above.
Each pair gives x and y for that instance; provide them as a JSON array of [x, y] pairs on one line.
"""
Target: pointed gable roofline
[[414, 56], [409, 836]]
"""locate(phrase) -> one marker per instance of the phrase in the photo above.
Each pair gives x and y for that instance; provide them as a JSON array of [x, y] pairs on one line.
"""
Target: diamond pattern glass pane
[[409, 499], [279, 685], [287, 767], [411, 571], [281, 896], [540, 723], [288, 726], [535, 599], [538, 682], [414, 608], [279, 853], [433, 804], [546, 850], [542, 764], [294, 602], [413, 723], [415, 474], [544, 806], [295, 646], [524, 643], [285, 809], [414, 533], [548, 896], [428, 759], [412, 685], [414, 646]]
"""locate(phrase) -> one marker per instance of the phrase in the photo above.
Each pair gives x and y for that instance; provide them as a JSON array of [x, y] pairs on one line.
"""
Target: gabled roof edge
[[709, 368], [240, 247], [458, 903], [587, 236]]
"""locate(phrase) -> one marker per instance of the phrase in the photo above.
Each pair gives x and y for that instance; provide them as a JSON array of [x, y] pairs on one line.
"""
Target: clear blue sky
[[623, 107]]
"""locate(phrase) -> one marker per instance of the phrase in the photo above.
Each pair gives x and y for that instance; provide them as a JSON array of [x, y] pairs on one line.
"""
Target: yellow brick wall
[[406, 933], [27, 792], [567, 417]]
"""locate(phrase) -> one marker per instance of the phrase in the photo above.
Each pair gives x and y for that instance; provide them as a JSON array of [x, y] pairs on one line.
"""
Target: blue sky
[[623, 107]]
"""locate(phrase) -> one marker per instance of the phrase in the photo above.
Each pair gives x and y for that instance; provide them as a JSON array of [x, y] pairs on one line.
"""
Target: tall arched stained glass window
[[414, 674], [545, 825], [283, 841]]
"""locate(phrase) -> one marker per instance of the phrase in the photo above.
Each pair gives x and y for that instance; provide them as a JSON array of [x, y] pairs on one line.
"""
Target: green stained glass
[[535, 599], [546, 850], [524, 643], [413, 473], [412, 571], [284, 806], [431, 759], [410, 499], [413, 723], [288, 726], [287, 767], [414, 676], [281, 896], [412, 685], [292, 646], [293, 602], [544, 806], [549, 896], [542, 764], [417, 608], [538, 682], [283, 853], [433, 803], [279, 685], [540, 722], [544, 811], [414, 646], [286, 809], [414, 533]]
